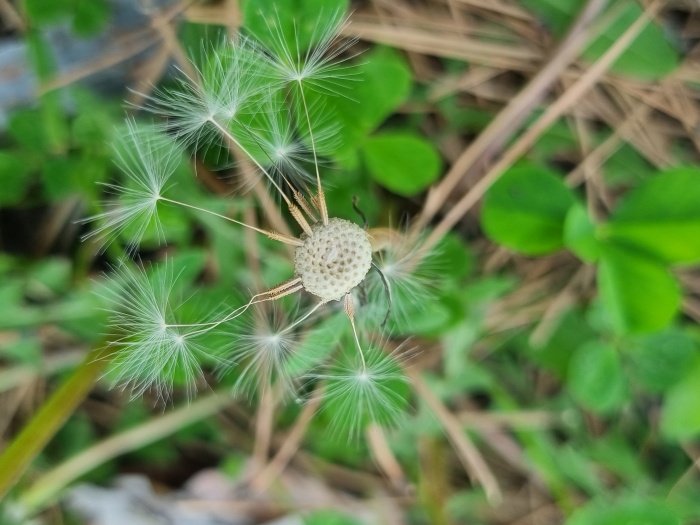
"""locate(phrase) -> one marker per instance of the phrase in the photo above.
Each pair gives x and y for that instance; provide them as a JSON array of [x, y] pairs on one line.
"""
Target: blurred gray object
[[129, 29], [133, 502]]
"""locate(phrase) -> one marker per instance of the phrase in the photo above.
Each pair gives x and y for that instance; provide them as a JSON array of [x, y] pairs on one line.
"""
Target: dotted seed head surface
[[334, 259]]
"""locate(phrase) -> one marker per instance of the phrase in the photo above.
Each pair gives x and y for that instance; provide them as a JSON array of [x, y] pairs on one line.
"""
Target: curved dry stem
[[272, 235]]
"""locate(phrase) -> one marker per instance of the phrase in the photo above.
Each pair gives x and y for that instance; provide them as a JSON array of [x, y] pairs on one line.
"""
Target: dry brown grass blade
[[511, 118], [263, 479], [101, 63], [647, 139], [477, 51], [384, 457], [502, 8], [9, 13], [11, 402], [170, 48], [128, 46], [552, 113], [149, 75], [264, 426], [466, 451], [597, 156], [475, 76], [628, 130]]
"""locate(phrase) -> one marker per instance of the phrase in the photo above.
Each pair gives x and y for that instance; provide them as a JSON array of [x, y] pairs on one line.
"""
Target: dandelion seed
[[272, 138], [147, 159], [363, 391], [226, 88], [317, 64], [264, 346], [154, 350]]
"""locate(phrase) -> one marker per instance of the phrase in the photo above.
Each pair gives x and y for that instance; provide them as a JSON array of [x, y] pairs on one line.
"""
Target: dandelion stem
[[278, 237], [230, 137], [292, 208], [350, 312], [304, 317], [321, 199], [237, 312], [359, 346], [273, 294]]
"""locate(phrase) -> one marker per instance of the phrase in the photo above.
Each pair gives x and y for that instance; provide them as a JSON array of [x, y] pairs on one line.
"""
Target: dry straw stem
[[637, 118], [127, 47], [511, 118], [11, 16], [552, 113], [466, 450], [47, 487], [507, 447], [158, 65], [264, 424], [384, 457], [13, 377], [264, 478], [499, 7], [456, 46]]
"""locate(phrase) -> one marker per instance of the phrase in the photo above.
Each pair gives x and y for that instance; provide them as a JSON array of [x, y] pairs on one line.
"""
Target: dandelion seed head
[[334, 259]]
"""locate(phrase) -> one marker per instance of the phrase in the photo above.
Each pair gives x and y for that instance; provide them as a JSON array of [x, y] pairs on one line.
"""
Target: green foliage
[[87, 17], [69, 161], [405, 164], [595, 377], [557, 13], [380, 82], [611, 363], [630, 511], [639, 293], [14, 178], [327, 517], [680, 418], [525, 210], [580, 234], [649, 56], [661, 217], [659, 360], [531, 211]]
